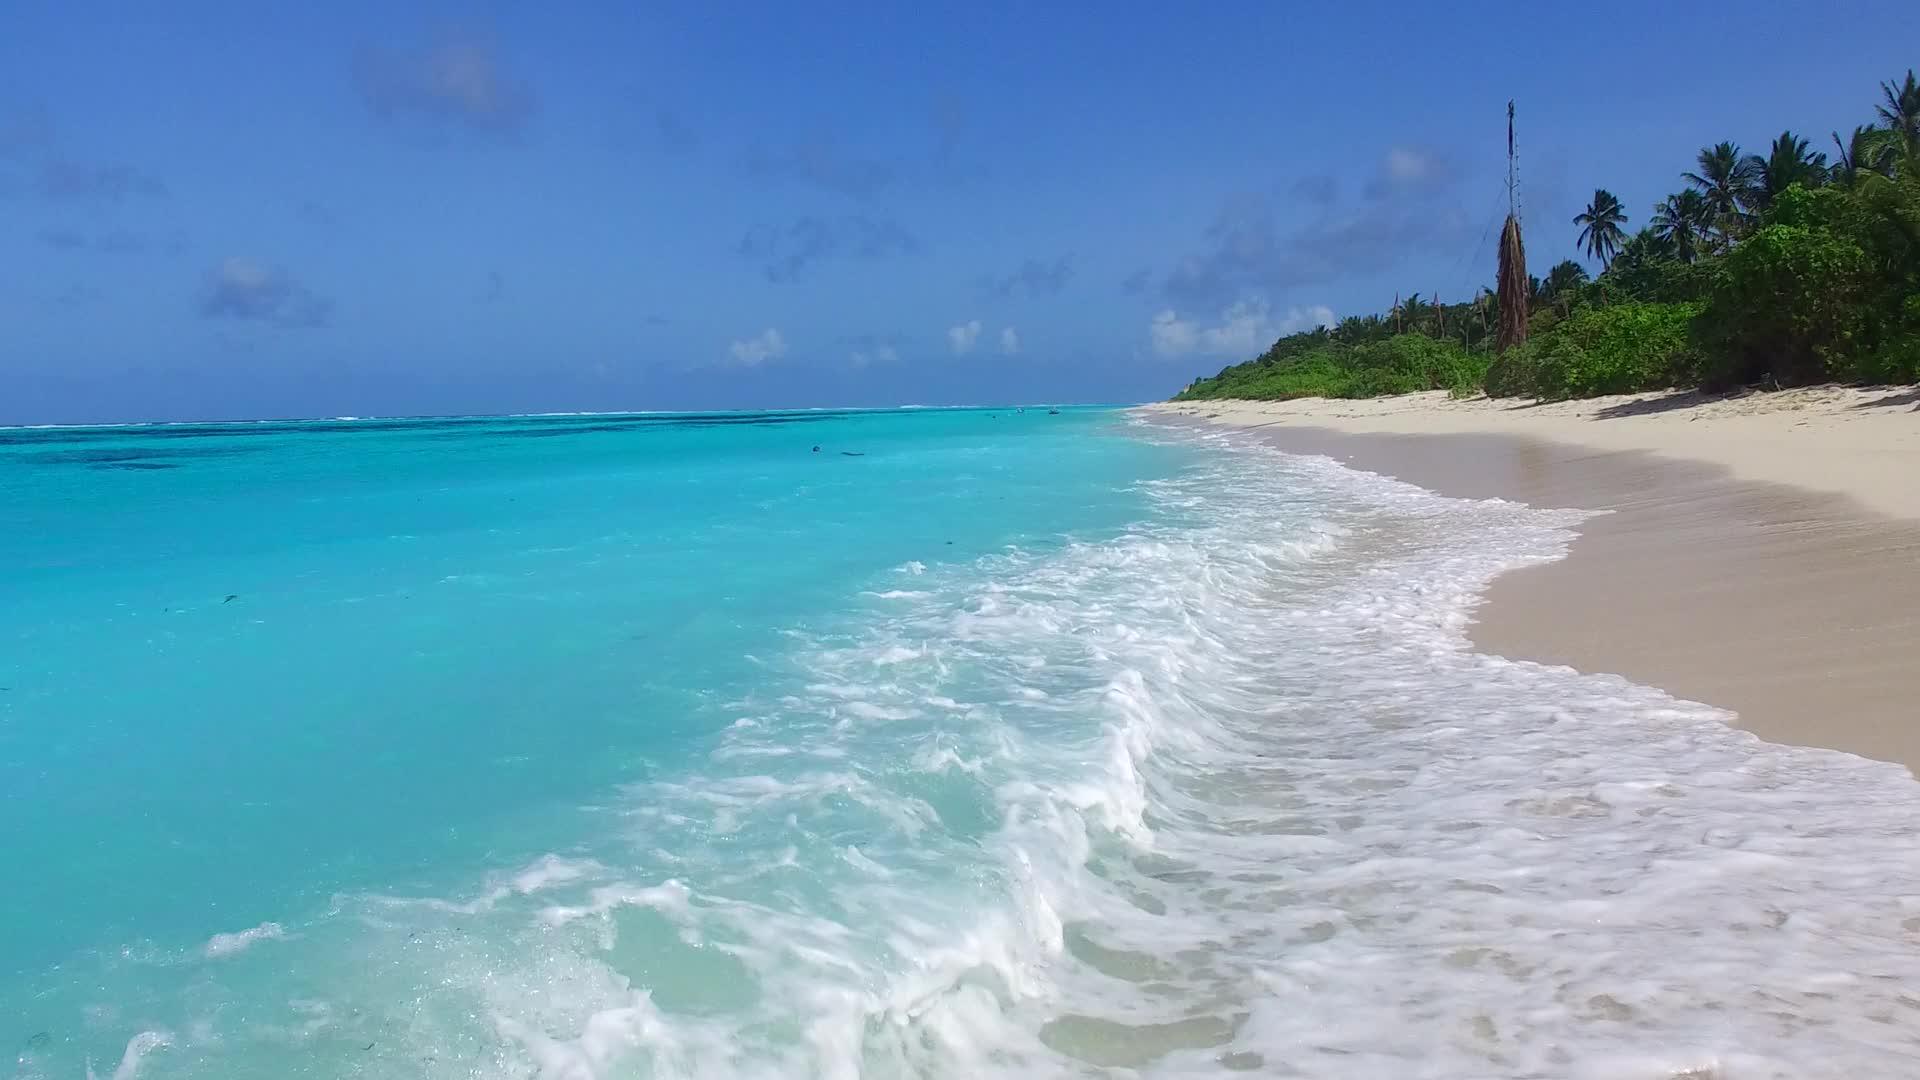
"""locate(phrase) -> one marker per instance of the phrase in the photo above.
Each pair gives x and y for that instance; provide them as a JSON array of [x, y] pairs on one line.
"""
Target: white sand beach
[[1861, 443], [1760, 552]]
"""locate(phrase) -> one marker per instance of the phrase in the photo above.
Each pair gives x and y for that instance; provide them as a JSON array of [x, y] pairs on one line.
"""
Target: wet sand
[[1796, 608]]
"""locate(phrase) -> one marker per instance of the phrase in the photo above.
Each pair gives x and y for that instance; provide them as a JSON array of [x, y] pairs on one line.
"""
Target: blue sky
[[279, 210]]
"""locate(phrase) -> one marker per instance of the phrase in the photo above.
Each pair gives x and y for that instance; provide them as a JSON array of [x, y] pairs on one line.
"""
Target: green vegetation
[[1361, 358], [1776, 269], [1616, 349]]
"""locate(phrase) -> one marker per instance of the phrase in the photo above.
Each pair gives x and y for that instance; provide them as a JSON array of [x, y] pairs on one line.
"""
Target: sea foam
[[239, 941]]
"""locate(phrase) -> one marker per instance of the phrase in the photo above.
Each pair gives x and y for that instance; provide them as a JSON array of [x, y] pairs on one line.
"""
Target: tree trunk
[[1512, 286]]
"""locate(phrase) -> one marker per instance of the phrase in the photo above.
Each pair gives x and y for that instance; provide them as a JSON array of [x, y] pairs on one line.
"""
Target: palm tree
[[1563, 281], [1725, 180], [1682, 222], [1788, 162], [1643, 247], [1601, 234], [1894, 202], [1486, 308], [1901, 112], [1867, 150], [1355, 329], [1412, 313], [1565, 277]]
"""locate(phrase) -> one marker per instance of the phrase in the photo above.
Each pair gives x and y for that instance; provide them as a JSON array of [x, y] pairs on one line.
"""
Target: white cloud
[[242, 288], [963, 337], [756, 350], [1405, 165], [1009, 341], [1407, 170], [1307, 318], [457, 79], [879, 354], [1245, 329], [1172, 335]]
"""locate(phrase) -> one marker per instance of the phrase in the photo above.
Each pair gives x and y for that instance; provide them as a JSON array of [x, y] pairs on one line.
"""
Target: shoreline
[[1708, 571]]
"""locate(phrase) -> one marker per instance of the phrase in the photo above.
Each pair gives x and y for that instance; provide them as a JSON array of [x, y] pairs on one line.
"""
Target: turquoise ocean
[[907, 743]]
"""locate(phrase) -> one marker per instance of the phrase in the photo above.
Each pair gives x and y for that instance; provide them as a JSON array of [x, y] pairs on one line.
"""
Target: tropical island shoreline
[[1756, 552]]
